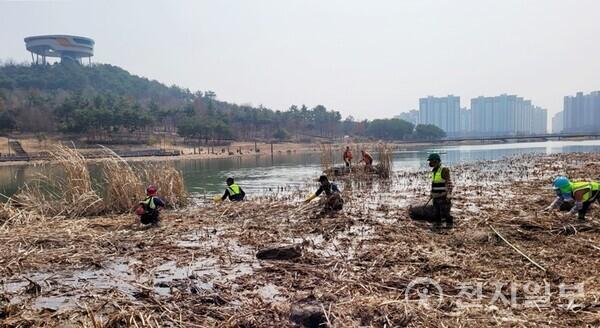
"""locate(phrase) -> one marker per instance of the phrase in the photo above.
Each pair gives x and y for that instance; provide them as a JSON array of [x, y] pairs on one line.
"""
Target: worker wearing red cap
[[149, 208]]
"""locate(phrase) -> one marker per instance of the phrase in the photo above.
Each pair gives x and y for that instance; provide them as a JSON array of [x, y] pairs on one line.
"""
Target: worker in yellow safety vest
[[149, 209], [441, 190], [583, 193], [234, 192]]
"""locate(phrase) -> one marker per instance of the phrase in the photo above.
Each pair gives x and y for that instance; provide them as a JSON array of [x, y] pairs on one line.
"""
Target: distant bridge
[[543, 137]]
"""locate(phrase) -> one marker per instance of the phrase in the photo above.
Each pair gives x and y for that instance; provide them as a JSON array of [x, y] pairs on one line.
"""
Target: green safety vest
[[149, 203], [438, 184], [583, 185], [234, 189]]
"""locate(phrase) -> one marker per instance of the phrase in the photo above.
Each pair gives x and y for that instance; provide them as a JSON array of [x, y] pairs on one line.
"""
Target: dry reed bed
[[71, 193], [382, 167], [356, 266]]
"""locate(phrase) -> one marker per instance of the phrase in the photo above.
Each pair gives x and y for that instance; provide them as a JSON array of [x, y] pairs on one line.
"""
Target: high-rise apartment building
[[507, 115], [444, 112], [582, 113], [557, 122], [503, 115], [411, 116], [539, 122], [466, 121]]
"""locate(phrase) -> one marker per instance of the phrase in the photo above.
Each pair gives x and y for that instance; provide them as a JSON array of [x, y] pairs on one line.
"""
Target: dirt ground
[[368, 266]]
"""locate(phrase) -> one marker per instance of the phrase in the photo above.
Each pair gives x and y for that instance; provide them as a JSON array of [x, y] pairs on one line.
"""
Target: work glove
[[575, 210], [217, 199], [310, 197], [556, 203]]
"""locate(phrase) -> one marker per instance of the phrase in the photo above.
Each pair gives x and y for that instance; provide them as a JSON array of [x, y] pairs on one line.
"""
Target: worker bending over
[[149, 208], [233, 191], [334, 201], [366, 158], [583, 193]]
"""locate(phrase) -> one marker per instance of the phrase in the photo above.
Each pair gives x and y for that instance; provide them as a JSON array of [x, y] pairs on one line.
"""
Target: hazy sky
[[364, 58]]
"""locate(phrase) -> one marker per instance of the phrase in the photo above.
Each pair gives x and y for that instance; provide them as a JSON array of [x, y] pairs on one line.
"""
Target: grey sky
[[368, 59]]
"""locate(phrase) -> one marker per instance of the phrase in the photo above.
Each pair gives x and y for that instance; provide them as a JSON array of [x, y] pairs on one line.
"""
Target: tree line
[[100, 100]]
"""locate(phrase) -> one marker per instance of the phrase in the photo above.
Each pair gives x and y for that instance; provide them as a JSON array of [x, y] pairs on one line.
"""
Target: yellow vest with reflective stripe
[[438, 183], [234, 189], [149, 202], [583, 185]]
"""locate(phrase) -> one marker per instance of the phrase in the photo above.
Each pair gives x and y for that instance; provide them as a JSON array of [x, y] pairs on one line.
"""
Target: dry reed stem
[[126, 185], [124, 188], [170, 183], [384, 167], [355, 267], [327, 160], [71, 195]]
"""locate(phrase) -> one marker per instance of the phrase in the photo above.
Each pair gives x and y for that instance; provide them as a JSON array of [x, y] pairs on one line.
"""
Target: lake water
[[264, 174]]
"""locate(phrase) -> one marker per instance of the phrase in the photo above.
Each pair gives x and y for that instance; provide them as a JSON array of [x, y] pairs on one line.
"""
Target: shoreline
[[356, 266], [246, 150]]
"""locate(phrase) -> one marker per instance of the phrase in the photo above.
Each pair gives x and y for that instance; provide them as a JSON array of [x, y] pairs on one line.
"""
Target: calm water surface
[[264, 173]]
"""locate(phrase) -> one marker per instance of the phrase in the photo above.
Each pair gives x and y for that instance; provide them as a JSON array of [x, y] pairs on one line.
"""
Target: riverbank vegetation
[[71, 192]]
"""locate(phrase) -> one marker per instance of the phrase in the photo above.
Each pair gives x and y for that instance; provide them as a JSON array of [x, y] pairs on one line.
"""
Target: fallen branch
[[516, 249]]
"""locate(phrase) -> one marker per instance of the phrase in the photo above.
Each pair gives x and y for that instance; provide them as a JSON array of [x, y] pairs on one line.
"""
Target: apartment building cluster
[[580, 114], [488, 116]]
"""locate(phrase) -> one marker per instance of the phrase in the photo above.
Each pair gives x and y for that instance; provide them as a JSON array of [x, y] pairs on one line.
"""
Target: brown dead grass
[[124, 187], [70, 193], [356, 266]]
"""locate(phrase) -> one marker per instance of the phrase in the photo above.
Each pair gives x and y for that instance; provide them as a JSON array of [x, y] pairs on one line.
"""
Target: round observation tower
[[65, 47]]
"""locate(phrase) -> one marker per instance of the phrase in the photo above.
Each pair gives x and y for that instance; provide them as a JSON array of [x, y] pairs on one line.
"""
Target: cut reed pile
[[10, 215]]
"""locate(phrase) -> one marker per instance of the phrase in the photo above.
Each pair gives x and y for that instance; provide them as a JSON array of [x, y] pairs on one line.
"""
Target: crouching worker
[[367, 159], [233, 191], [333, 202], [583, 193], [149, 208]]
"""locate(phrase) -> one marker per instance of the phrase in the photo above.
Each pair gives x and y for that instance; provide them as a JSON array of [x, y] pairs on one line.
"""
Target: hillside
[[99, 78], [104, 101]]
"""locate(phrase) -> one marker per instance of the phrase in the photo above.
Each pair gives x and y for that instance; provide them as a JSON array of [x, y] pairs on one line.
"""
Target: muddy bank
[[367, 266], [235, 149]]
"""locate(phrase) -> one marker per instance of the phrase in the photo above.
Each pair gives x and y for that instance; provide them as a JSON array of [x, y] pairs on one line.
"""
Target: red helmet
[[140, 211], [151, 190]]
